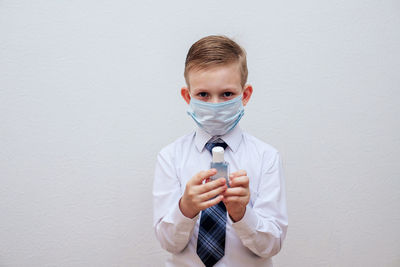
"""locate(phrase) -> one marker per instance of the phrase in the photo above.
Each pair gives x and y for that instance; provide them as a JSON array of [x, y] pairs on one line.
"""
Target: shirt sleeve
[[263, 227], [173, 229]]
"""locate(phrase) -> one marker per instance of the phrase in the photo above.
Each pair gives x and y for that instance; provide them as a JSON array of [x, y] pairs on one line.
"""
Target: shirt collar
[[233, 138]]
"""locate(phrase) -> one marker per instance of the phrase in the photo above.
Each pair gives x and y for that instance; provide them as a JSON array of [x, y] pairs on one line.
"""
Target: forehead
[[215, 77]]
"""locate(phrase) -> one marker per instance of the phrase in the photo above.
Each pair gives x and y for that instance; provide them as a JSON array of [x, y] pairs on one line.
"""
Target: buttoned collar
[[233, 138]]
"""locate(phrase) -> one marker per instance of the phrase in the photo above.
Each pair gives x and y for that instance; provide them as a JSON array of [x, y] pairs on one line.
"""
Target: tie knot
[[218, 142]]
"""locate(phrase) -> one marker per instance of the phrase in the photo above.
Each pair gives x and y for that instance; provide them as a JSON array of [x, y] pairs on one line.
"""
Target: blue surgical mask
[[216, 118]]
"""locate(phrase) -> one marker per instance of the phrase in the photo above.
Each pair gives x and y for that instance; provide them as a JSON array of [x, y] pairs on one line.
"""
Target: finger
[[210, 194], [199, 177], [233, 199], [238, 173], [211, 185], [242, 181], [237, 191], [211, 202]]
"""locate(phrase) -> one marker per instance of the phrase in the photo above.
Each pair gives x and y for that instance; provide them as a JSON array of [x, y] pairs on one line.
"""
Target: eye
[[227, 94], [202, 94]]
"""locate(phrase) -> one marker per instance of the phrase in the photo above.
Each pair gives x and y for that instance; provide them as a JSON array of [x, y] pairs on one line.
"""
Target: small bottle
[[219, 164]]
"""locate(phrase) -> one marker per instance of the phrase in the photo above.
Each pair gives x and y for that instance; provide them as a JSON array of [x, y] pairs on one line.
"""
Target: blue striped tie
[[211, 238]]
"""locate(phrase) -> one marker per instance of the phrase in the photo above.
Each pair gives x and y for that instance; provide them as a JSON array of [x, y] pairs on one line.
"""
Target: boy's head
[[216, 71]]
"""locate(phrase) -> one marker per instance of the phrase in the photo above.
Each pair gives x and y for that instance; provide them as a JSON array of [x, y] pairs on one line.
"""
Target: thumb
[[199, 177]]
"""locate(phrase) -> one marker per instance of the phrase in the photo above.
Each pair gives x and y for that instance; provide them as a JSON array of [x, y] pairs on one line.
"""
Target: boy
[[208, 222]]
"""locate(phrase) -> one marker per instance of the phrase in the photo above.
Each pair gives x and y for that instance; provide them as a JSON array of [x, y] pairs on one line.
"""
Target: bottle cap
[[218, 154]]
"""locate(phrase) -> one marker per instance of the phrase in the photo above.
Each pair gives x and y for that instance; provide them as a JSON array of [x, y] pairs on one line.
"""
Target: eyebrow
[[227, 89]]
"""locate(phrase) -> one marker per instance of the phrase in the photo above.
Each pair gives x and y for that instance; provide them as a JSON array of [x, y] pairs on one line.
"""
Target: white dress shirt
[[254, 239]]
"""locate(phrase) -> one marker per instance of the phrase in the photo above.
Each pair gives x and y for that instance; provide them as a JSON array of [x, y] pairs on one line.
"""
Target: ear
[[185, 94], [247, 92]]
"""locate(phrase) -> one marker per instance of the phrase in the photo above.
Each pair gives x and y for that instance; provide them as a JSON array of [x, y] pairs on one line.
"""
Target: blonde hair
[[215, 50]]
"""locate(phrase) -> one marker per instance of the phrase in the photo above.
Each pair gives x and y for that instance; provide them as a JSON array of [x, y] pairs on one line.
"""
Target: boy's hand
[[237, 196], [199, 196]]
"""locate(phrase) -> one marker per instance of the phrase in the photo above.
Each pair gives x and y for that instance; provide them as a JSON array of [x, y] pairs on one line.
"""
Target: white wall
[[89, 93]]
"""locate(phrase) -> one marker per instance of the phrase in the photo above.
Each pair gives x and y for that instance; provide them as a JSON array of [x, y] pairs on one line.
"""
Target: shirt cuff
[[181, 222], [246, 227]]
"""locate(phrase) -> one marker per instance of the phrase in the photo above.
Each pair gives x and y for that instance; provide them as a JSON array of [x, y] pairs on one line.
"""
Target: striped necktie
[[211, 238]]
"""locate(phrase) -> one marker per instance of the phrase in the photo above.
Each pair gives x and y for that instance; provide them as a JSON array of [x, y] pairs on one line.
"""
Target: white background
[[89, 93]]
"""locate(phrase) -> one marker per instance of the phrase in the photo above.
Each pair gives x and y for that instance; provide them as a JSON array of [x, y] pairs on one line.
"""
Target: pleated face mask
[[216, 118]]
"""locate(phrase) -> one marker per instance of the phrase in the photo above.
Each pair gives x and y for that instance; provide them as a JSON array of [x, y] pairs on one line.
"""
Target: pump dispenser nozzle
[[218, 154]]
